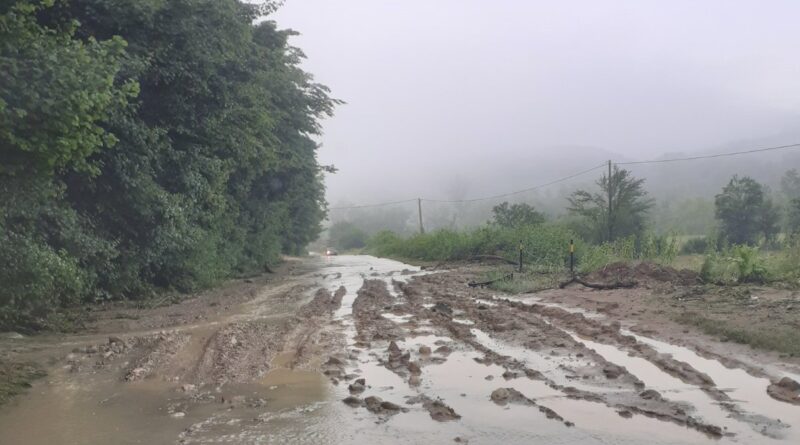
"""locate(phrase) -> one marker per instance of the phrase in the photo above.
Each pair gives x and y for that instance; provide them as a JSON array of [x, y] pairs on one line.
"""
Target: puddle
[[749, 392], [550, 366], [674, 389], [399, 319], [288, 406], [531, 299]]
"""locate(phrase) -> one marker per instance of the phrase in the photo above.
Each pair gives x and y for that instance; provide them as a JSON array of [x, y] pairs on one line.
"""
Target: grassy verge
[[16, 378], [778, 338], [525, 282]]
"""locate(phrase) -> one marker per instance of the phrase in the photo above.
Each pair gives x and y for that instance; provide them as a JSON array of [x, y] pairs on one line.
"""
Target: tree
[[55, 93], [793, 217], [516, 215], [150, 145], [790, 188], [790, 184], [744, 212], [345, 235], [628, 211]]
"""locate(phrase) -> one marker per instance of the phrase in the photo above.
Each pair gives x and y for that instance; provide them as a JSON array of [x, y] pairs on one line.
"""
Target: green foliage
[[213, 169], [745, 213], [780, 339], [737, 264], [516, 215], [55, 93], [544, 246], [346, 236], [790, 184], [793, 217], [629, 207], [16, 378], [695, 245]]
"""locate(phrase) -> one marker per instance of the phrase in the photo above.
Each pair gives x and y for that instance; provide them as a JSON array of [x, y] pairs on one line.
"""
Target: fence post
[[572, 258], [520, 257], [419, 210]]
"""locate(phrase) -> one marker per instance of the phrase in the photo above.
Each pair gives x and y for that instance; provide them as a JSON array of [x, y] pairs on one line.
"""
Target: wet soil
[[356, 349]]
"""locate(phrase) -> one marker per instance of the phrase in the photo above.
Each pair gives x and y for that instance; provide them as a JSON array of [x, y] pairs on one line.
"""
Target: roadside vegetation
[[16, 378], [756, 243], [149, 146], [747, 246]]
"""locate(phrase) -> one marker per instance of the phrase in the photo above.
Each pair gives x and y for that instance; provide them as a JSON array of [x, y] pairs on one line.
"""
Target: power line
[[380, 204], [718, 155], [503, 195], [485, 198], [566, 178]]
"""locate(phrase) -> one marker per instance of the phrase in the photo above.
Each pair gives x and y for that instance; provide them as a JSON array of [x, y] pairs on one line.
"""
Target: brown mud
[[355, 349]]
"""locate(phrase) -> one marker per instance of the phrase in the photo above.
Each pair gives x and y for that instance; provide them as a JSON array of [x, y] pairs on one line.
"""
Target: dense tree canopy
[[745, 212], [628, 211], [149, 144], [516, 215]]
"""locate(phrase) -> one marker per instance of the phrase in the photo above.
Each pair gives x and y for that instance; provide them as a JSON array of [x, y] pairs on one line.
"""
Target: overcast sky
[[439, 89]]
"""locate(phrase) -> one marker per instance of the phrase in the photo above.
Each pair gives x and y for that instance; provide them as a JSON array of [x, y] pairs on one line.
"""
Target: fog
[[452, 99]]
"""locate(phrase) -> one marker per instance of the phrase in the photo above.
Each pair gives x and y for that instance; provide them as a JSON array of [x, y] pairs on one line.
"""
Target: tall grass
[[542, 245], [545, 247]]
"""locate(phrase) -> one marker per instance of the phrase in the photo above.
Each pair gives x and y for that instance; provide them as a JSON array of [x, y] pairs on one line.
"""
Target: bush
[[346, 236], [543, 245], [737, 264], [695, 246], [36, 279]]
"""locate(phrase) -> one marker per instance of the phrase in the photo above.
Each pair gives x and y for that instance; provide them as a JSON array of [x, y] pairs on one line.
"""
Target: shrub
[[542, 245], [737, 264], [695, 246], [346, 236]]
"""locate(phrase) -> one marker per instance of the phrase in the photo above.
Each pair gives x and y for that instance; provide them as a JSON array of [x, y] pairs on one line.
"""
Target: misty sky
[[440, 90]]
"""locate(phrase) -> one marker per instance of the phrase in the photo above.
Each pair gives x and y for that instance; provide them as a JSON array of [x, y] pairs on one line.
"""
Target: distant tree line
[[149, 145]]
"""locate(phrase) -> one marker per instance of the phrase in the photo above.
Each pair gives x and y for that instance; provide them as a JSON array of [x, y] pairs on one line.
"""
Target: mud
[[786, 390], [356, 349]]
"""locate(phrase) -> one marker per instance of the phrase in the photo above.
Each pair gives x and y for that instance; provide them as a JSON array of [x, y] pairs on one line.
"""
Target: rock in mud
[[650, 394], [352, 401], [425, 350], [786, 390], [378, 406], [443, 308], [612, 371], [357, 387], [439, 411], [390, 406], [443, 350], [503, 396], [414, 368]]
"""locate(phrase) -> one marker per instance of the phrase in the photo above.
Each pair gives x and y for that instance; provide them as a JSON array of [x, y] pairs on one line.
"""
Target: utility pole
[[419, 208], [610, 221]]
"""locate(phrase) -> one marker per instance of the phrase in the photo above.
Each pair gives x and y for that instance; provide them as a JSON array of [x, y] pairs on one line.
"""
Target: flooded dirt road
[[362, 350]]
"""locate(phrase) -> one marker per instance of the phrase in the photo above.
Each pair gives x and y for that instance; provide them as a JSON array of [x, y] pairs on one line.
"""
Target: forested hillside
[[148, 145]]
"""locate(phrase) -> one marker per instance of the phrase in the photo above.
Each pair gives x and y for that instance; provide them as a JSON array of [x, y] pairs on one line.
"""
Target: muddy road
[[361, 350]]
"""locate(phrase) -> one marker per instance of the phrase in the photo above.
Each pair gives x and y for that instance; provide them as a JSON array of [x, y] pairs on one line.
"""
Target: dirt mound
[[643, 272], [786, 390]]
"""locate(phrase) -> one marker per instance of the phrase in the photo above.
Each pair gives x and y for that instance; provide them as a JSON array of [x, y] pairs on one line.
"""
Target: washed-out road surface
[[363, 350]]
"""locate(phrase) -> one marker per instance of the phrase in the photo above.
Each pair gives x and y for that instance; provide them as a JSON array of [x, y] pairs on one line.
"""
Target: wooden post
[[610, 223], [520, 257], [419, 208], [571, 258]]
